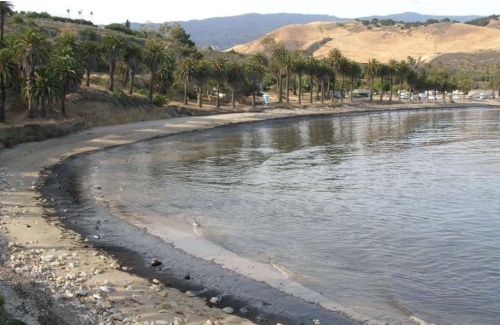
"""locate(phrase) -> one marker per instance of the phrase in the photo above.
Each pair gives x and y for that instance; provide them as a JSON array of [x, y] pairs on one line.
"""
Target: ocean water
[[394, 215]]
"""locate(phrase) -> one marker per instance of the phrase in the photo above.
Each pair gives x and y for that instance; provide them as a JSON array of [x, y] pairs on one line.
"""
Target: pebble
[[228, 310], [214, 300], [190, 294]]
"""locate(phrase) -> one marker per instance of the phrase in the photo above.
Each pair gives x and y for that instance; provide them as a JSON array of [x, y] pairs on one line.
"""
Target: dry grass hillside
[[362, 43]]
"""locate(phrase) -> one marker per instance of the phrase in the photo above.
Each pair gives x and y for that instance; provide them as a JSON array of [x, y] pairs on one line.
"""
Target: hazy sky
[[106, 11]]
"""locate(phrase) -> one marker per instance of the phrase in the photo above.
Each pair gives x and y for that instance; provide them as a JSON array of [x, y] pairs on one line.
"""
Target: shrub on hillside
[[160, 100], [121, 97], [88, 34]]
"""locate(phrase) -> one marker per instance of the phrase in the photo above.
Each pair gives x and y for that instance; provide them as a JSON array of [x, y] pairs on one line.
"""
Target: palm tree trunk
[[311, 90], [381, 88], [342, 90], [392, 84], [63, 101], [294, 85], [112, 73], [287, 87], [31, 108], [185, 92], [352, 86], [280, 81], [435, 95], [322, 91], [217, 99], [253, 94], [328, 88], [233, 100], [200, 95], [333, 88], [132, 77], [371, 89], [88, 74], [300, 89], [43, 111], [2, 23], [400, 85], [3, 96], [152, 75]]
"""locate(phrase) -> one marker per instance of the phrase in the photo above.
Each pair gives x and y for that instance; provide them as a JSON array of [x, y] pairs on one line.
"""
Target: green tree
[[355, 71], [9, 72], [67, 43], [132, 55], [44, 90], [299, 67], [235, 79], [32, 50], [371, 71], [219, 74], [323, 73], [335, 59], [344, 70], [67, 72], [282, 59], [111, 46], [90, 57], [165, 74], [153, 57], [186, 71], [403, 68], [392, 68], [203, 74], [254, 69], [312, 66], [383, 71], [6, 10]]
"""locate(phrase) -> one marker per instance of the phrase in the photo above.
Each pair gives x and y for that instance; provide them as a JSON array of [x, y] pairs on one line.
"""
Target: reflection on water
[[391, 214]]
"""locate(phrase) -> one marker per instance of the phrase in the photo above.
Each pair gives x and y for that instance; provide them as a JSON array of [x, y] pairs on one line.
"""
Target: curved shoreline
[[27, 160]]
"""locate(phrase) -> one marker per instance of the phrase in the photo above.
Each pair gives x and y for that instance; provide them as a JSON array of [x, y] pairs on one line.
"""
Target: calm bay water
[[390, 214]]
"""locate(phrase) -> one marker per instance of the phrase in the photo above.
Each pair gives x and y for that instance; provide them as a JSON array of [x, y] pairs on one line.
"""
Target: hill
[[362, 43], [225, 32]]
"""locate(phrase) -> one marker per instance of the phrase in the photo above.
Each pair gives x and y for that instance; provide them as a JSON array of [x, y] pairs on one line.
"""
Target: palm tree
[[312, 66], [372, 70], [323, 73], [383, 71], [44, 90], [68, 43], [112, 46], [68, 75], [68, 11], [186, 71], [282, 59], [254, 70], [344, 69], [164, 75], [335, 59], [81, 17], [90, 55], [153, 56], [132, 55], [32, 50], [235, 78], [6, 10], [299, 67], [403, 68], [219, 74], [91, 15], [392, 68], [9, 71], [203, 73], [412, 80], [355, 71]]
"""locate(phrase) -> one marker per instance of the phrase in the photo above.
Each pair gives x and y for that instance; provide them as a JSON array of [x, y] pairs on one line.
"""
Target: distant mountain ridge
[[226, 32]]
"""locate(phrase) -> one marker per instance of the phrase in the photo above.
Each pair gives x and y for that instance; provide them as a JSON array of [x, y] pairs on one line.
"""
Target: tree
[[67, 43], [186, 71], [6, 10], [254, 70], [392, 69], [344, 69], [32, 50], [355, 71], [153, 56], [465, 84], [67, 72], [127, 24], [90, 55], [165, 74], [282, 60], [383, 71], [312, 66], [403, 68], [9, 72], [412, 79], [235, 78], [219, 74], [372, 70], [335, 59], [44, 90], [299, 67], [112, 46], [132, 56], [323, 73], [203, 73]]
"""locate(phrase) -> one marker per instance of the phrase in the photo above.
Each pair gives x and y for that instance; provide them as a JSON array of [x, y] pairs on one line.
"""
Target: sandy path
[[78, 276]]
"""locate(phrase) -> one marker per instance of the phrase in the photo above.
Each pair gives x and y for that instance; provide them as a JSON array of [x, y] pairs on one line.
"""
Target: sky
[[158, 11]]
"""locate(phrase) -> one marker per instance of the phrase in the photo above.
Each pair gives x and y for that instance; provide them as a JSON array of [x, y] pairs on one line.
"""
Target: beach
[[87, 285]]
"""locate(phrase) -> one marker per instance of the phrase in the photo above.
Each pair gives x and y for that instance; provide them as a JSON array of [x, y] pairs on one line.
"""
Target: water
[[394, 215]]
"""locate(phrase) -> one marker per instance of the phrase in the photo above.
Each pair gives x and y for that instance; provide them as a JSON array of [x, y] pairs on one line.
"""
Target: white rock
[[190, 294], [106, 289], [214, 300], [106, 305], [228, 310], [117, 316]]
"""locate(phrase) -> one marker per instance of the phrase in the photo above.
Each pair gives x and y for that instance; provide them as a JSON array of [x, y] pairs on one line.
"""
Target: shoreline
[[20, 204]]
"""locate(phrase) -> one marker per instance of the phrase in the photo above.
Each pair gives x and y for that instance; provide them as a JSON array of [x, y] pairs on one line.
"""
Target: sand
[[78, 276]]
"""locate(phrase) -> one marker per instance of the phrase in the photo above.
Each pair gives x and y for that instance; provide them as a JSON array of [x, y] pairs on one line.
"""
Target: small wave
[[287, 273], [419, 321]]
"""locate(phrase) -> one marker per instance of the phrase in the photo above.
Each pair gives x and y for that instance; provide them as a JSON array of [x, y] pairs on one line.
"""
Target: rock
[[187, 277], [117, 316], [155, 263], [161, 322], [163, 293], [163, 311], [190, 294], [82, 293], [106, 289], [156, 281], [129, 288], [214, 300], [106, 305], [243, 310], [208, 322], [178, 321], [228, 310]]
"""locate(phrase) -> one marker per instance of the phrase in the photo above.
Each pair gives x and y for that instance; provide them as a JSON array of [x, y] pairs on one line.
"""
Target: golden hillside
[[361, 43]]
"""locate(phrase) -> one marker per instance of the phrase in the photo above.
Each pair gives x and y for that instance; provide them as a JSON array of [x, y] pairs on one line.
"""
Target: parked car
[[405, 96], [422, 96], [457, 97], [469, 97]]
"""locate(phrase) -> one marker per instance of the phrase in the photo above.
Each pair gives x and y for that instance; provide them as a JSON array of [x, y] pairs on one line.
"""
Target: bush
[[120, 28], [121, 97], [160, 100], [141, 91], [17, 19], [89, 34]]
